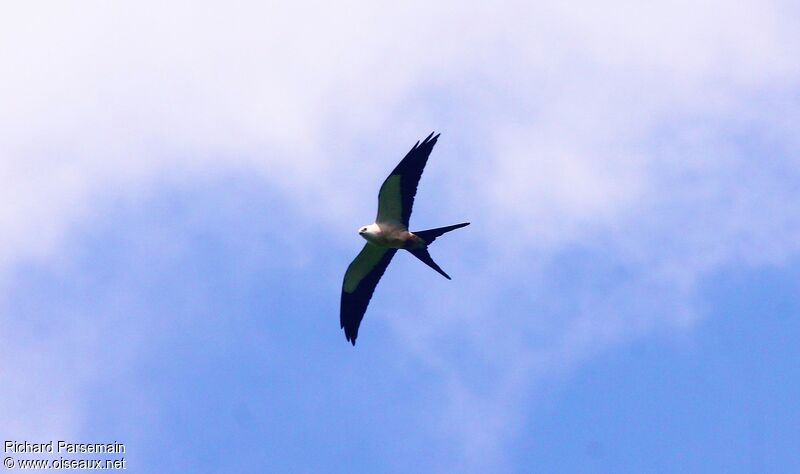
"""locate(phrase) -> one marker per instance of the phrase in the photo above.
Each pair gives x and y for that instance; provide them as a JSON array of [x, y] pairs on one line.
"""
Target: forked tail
[[429, 236]]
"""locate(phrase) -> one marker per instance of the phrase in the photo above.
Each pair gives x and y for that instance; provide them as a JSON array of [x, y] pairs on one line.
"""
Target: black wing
[[396, 197], [360, 280]]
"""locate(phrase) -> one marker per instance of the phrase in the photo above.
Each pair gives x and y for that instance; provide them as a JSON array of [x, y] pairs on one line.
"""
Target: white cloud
[[624, 126]]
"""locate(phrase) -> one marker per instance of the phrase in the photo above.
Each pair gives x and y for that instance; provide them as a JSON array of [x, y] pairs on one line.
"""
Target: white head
[[369, 232]]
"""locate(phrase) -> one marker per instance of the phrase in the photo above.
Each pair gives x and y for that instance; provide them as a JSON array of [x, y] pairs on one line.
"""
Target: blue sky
[[182, 185]]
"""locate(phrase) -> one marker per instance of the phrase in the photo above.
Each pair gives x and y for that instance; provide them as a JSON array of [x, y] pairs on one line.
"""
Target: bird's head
[[368, 231]]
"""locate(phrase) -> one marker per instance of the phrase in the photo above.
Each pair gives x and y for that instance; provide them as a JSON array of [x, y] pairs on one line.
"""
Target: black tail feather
[[423, 255], [430, 235]]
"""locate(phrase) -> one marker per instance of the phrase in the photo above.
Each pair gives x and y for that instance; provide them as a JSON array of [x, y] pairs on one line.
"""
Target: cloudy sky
[[181, 186]]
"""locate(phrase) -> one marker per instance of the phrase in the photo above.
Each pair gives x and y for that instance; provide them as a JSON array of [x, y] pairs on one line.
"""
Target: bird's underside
[[388, 234], [392, 236]]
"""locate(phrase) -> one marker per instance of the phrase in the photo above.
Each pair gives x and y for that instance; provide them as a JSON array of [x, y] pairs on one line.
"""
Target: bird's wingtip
[[432, 137], [351, 338]]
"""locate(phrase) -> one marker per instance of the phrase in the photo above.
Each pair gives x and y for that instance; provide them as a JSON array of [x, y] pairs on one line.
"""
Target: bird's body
[[387, 235], [391, 236]]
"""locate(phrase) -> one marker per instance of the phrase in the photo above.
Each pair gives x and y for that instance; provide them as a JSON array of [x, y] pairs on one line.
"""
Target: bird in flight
[[388, 234]]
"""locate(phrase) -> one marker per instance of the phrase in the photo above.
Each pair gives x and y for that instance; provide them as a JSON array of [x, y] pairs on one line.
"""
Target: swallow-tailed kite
[[388, 234]]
